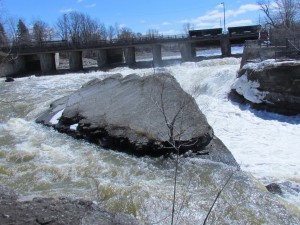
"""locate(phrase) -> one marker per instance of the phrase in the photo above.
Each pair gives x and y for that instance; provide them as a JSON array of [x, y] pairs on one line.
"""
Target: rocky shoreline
[[58, 211]]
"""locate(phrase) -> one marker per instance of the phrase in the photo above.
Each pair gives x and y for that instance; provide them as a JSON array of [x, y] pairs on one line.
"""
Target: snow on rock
[[74, 126], [267, 64], [56, 117], [248, 89]]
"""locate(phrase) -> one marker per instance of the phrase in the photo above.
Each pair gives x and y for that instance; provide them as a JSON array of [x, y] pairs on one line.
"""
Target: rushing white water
[[37, 160]]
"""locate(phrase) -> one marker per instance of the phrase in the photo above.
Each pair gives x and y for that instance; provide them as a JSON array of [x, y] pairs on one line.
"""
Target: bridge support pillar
[[75, 61], [156, 52], [186, 51], [193, 50], [225, 46], [102, 57], [129, 54], [47, 62]]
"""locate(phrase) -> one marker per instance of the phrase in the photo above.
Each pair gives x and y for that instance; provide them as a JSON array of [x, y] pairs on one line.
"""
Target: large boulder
[[149, 115], [271, 85]]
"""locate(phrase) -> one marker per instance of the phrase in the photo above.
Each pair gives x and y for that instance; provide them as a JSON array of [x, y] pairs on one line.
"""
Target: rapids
[[36, 160]]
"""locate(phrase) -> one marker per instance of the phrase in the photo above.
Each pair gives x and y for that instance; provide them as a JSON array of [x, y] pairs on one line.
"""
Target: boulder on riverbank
[[271, 85], [140, 115], [56, 211]]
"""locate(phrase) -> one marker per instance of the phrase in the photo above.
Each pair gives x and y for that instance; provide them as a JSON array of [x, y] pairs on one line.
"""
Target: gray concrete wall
[[47, 61], [75, 61], [186, 52], [11, 67], [101, 57], [156, 52], [225, 46], [129, 55]]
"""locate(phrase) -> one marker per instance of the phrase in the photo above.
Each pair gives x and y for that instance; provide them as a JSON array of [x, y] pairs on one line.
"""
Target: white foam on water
[[265, 144]]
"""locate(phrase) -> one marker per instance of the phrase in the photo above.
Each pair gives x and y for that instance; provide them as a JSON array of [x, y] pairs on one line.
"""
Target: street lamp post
[[223, 3]]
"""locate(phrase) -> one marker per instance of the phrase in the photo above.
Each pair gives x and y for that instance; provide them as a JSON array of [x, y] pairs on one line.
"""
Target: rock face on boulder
[[141, 115], [271, 85], [56, 211]]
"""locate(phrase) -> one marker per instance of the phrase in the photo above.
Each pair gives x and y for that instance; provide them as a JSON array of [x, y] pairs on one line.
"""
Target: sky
[[166, 16]]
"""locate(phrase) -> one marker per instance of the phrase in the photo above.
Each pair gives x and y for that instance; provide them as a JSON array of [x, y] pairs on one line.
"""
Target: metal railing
[[290, 52]]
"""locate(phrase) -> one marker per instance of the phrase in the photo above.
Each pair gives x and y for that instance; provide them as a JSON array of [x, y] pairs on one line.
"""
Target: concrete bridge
[[42, 55]]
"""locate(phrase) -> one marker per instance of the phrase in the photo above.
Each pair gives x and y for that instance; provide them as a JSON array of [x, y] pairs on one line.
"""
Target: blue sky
[[166, 16]]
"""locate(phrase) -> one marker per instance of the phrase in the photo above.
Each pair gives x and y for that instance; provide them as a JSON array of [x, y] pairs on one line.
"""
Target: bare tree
[[175, 122], [186, 27], [102, 31], [111, 33], [126, 33], [287, 11], [51, 33], [79, 28], [3, 36], [280, 13], [11, 25], [152, 33], [117, 29], [62, 27], [175, 114]]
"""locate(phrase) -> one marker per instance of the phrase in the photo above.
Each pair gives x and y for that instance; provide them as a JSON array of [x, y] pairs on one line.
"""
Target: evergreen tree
[[39, 31], [23, 35]]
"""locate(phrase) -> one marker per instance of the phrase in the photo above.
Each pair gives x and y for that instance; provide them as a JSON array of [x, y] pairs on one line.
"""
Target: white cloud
[[90, 6], [220, 6], [237, 23], [243, 9], [66, 10], [79, 1], [166, 24], [212, 18], [122, 25]]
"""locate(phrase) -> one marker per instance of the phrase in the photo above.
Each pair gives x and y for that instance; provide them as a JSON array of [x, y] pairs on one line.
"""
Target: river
[[38, 161]]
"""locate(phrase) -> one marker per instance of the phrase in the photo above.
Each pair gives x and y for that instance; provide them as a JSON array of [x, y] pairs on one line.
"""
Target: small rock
[[274, 188], [188, 154], [9, 79], [44, 220]]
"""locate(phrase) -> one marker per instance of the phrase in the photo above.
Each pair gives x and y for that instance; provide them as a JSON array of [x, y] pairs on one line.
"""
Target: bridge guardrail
[[39, 47], [69, 45]]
